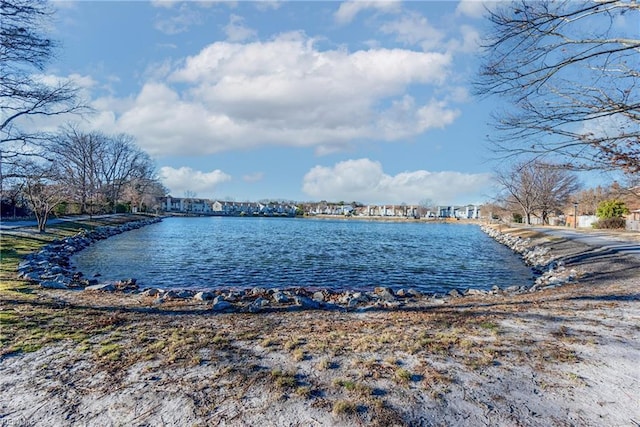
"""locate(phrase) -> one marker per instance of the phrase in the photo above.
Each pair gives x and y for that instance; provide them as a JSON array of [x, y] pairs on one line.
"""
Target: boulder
[[52, 284], [305, 302], [318, 296], [221, 305], [385, 294], [203, 296], [152, 292], [103, 287], [280, 297]]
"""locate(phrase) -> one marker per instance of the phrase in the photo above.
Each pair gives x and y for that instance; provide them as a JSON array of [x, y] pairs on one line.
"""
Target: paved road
[[11, 225], [618, 242]]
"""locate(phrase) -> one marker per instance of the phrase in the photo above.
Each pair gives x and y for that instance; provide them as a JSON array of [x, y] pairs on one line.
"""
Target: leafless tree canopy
[[24, 52], [571, 72], [98, 167], [43, 189], [536, 188]]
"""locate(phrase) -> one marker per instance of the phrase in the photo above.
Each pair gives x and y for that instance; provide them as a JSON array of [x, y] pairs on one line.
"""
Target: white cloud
[[472, 8], [237, 31], [184, 18], [349, 9], [186, 179], [365, 181], [286, 92], [469, 41], [414, 29]]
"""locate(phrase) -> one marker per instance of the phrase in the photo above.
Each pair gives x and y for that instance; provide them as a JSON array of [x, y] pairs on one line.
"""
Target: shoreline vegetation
[[564, 354]]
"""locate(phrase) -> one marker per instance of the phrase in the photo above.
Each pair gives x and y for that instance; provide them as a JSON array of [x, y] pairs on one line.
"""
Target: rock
[[258, 305], [153, 292], [475, 292], [221, 305], [178, 294], [454, 293], [280, 297], [52, 284], [414, 293], [305, 302], [126, 285], [385, 294], [203, 296], [103, 287], [318, 296]]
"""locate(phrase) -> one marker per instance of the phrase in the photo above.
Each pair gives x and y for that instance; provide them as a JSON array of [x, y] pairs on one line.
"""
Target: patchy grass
[[344, 407]]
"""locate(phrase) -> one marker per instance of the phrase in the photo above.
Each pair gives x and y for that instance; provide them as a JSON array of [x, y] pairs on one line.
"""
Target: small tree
[[611, 214], [43, 191], [611, 209]]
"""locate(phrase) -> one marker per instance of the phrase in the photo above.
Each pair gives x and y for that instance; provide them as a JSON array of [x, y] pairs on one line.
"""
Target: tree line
[[43, 170]]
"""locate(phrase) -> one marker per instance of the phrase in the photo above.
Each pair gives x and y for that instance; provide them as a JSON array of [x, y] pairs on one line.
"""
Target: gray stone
[[153, 292], [103, 287], [178, 294], [475, 292], [454, 293], [203, 296], [386, 294], [306, 302], [258, 305], [221, 305], [52, 284], [280, 297], [414, 293], [318, 296]]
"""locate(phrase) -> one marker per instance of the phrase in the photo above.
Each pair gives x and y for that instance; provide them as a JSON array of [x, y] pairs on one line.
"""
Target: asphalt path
[[627, 243], [12, 225]]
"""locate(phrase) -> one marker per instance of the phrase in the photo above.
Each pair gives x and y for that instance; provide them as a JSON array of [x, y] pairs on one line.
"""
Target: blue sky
[[363, 101]]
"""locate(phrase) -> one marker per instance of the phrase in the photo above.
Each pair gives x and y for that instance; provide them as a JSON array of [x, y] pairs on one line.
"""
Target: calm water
[[284, 252]]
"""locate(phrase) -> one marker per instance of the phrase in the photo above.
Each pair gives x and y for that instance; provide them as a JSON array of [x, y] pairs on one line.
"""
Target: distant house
[[459, 212], [633, 220]]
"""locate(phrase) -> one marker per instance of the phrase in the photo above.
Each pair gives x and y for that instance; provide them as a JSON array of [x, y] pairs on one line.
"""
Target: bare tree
[[518, 188], [96, 164], [554, 187], [43, 189], [537, 188], [24, 52], [119, 163], [589, 199], [78, 154], [144, 187], [570, 71]]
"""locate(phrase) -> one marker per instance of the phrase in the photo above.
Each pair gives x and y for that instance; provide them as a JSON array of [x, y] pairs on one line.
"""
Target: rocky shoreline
[[50, 268]]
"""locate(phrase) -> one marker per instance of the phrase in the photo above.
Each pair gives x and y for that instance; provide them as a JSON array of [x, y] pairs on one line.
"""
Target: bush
[[610, 223], [611, 209]]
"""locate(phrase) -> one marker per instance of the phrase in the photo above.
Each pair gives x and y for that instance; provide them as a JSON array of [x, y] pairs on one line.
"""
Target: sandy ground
[[564, 356]]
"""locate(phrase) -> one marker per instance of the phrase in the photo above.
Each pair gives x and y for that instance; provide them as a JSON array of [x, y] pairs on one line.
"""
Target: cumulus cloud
[[237, 31], [414, 29], [365, 181], [472, 8], [184, 179], [286, 92], [349, 9]]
